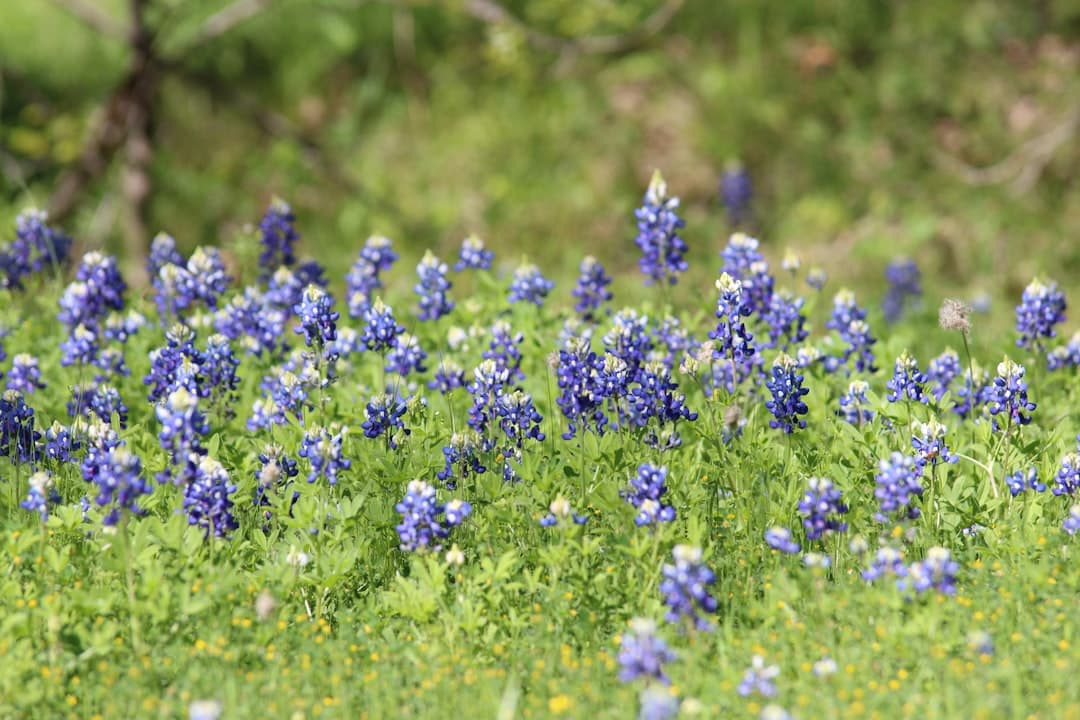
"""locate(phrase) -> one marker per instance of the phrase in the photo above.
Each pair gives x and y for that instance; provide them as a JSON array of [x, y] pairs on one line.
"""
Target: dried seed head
[[955, 315]]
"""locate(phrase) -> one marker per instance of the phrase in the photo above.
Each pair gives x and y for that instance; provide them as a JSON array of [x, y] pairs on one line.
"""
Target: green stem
[[129, 576]]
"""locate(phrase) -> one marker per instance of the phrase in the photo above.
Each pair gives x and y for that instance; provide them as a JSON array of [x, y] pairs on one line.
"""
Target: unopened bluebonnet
[[1022, 480], [529, 285], [278, 237], [183, 425], [822, 509], [759, 679], [317, 319], [39, 494], [1072, 520], [473, 255], [1067, 480], [504, 348], [928, 440], [380, 330], [1009, 395], [662, 249], [25, 375], [1041, 308], [383, 418], [646, 493], [897, 487], [18, 438], [779, 538], [908, 382], [208, 501], [685, 587], [117, 472], [591, 290], [323, 449], [736, 192], [787, 404], [643, 653], [1065, 356], [905, 284], [941, 372], [449, 376], [854, 405], [423, 524], [732, 339], [432, 287], [887, 561], [560, 511], [462, 458], [937, 571]]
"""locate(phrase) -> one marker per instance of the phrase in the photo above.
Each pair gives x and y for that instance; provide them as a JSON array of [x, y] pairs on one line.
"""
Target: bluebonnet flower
[[528, 285], [105, 401], [406, 356], [177, 364], [59, 443], [941, 372], [380, 328], [518, 418], [276, 472], [382, 417], [285, 289], [183, 426], [323, 449], [560, 512], [162, 252], [591, 290], [674, 341], [172, 292], [849, 321], [35, 247], [489, 381], [286, 392], [432, 287], [897, 485], [278, 237], [81, 347], [853, 404], [907, 382], [318, 321], [449, 376], [378, 252], [905, 283], [887, 561], [580, 399], [787, 391], [462, 457], [38, 495], [1072, 521], [657, 703], [646, 493], [759, 679], [821, 509], [779, 538], [1065, 356], [928, 440], [816, 278], [254, 322], [629, 340], [1041, 308], [422, 526], [117, 472], [473, 255], [732, 339], [658, 226], [739, 255], [685, 587], [119, 327], [207, 499], [655, 396], [973, 394], [784, 320], [1008, 394], [1021, 480], [736, 191], [845, 311], [936, 572], [218, 372], [361, 282], [1067, 480], [642, 653], [206, 279], [18, 438], [504, 350], [25, 375]]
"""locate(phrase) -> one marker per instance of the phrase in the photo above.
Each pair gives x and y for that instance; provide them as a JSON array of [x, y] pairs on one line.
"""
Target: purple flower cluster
[[376, 257], [529, 285], [473, 255], [905, 284], [208, 501], [1022, 480], [383, 418], [733, 341], [897, 487], [1041, 307], [591, 290], [853, 404], [18, 438], [658, 238], [787, 391], [928, 440], [424, 521], [780, 538], [642, 653], [736, 192], [908, 382], [1009, 395], [821, 509], [36, 246], [278, 236], [323, 449], [432, 288], [685, 587], [646, 493]]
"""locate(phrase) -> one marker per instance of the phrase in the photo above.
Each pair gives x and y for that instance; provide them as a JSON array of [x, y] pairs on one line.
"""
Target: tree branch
[[94, 18]]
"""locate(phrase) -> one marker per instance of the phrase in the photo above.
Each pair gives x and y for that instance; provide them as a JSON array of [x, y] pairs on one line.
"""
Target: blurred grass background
[[867, 127]]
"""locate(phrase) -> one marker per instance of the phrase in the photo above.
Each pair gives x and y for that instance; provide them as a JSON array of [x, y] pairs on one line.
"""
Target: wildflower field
[[265, 488]]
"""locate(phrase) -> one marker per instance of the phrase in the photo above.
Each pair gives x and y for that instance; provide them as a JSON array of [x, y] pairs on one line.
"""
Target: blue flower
[[785, 320], [473, 255], [1021, 480], [183, 426], [35, 247], [1009, 395], [323, 449], [318, 321], [39, 495], [936, 572], [278, 236], [787, 395], [928, 440], [207, 499], [905, 283], [685, 588], [380, 328], [462, 458], [560, 513], [504, 350], [518, 418], [432, 288], [117, 472], [732, 339], [59, 443], [853, 404], [908, 381], [162, 252], [206, 279], [657, 703], [941, 372], [18, 439], [897, 486], [646, 492], [1067, 480], [758, 679], [275, 473], [424, 522], [489, 381], [658, 238], [736, 192], [254, 322], [25, 375], [529, 285], [1072, 521], [643, 654], [382, 416], [449, 376], [1041, 308], [377, 256], [406, 356], [779, 538], [849, 321], [1065, 356], [821, 509], [887, 561], [584, 386], [591, 290]]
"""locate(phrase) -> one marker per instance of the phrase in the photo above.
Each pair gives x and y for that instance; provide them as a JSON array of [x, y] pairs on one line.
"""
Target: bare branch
[[94, 18]]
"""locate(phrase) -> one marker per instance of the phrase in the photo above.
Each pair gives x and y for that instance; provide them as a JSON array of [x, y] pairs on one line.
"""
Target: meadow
[[267, 488]]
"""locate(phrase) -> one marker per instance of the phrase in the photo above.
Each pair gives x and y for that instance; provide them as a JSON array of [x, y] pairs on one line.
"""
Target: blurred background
[[943, 130]]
